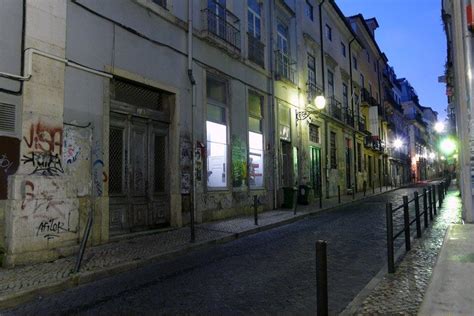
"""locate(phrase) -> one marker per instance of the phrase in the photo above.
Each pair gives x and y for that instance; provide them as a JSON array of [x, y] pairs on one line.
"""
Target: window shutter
[[7, 118]]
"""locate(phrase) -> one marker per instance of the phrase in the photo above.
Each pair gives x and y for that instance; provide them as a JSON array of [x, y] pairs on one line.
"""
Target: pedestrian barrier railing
[[430, 196]]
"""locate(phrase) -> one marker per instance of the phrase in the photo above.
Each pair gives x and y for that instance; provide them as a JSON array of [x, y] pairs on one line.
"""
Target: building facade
[[110, 121]]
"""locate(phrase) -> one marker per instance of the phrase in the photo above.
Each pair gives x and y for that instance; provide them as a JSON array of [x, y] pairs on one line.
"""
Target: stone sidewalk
[[22, 284], [402, 293]]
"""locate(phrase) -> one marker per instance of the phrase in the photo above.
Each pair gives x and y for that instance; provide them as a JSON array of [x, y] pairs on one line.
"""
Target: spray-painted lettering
[[47, 164], [43, 138]]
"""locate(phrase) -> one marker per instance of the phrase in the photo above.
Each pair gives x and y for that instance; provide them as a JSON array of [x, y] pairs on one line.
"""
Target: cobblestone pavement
[[269, 272], [402, 293], [23, 280]]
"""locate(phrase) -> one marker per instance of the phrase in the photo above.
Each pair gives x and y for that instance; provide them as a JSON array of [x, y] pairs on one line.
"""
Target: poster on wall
[[239, 162]]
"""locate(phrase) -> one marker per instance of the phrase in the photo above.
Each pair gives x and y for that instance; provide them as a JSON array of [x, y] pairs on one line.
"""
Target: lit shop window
[[255, 141], [216, 127]]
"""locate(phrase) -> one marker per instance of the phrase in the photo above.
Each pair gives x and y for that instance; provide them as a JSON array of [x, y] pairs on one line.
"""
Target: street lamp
[[397, 143], [439, 127], [320, 102], [447, 146]]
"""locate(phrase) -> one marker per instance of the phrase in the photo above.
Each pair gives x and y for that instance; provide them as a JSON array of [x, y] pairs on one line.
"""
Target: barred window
[[313, 133], [333, 150]]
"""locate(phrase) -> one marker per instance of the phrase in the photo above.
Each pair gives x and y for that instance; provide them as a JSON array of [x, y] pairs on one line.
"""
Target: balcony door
[[315, 170], [283, 49], [217, 17]]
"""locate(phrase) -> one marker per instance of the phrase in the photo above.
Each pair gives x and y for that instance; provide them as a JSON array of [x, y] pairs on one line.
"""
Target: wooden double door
[[138, 174]]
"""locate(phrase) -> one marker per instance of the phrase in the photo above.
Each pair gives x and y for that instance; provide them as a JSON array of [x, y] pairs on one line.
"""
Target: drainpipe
[[324, 93], [274, 112], [353, 115], [192, 81], [381, 175]]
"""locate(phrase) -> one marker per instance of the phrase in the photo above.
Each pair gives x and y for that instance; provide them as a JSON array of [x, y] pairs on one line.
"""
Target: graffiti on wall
[[44, 148], [239, 161], [9, 160], [46, 211], [186, 163]]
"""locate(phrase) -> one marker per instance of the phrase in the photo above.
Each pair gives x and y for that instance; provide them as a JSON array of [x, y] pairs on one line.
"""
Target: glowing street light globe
[[397, 143], [320, 102], [447, 146], [439, 127]]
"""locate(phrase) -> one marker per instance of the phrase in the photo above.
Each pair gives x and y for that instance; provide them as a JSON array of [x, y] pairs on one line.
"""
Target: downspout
[[324, 93], [353, 115], [274, 112], [192, 81], [381, 175]]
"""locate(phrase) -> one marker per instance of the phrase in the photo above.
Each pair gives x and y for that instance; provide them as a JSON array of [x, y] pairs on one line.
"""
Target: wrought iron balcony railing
[[313, 91], [348, 116], [375, 143], [221, 23], [256, 50], [335, 108], [365, 97], [362, 125], [285, 67]]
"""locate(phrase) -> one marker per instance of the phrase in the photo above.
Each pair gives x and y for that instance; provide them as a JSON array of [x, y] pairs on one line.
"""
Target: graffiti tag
[[47, 164], [51, 228], [5, 163], [43, 138]]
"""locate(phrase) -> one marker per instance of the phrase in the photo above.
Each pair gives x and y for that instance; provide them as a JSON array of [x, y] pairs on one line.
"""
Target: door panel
[[138, 189]]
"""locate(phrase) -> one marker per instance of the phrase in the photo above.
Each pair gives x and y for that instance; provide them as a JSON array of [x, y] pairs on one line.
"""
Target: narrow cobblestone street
[[268, 272]]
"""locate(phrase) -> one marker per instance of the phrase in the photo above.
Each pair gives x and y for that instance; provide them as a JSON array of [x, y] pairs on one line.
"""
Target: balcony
[[374, 143], [417, 117], [285, 67], [313, 91], [222, 25], [256, 51], [335, 108], [348, 116], [365, 97], [362, 126]]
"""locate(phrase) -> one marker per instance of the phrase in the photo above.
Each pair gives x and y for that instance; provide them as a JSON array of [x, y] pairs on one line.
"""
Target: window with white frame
[[354, 61], [254, 18], [343, 49], [345, 98], [330, 83], [216, 128], [256, 161], [284, 122]]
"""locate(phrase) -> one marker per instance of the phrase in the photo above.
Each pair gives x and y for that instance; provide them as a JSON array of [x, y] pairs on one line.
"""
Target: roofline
[[370, 34], [345, 21]]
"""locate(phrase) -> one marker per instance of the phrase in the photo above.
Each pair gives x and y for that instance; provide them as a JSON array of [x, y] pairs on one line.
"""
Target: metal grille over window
[[140, 96], [116, 160], [7, 117], [159, 168]]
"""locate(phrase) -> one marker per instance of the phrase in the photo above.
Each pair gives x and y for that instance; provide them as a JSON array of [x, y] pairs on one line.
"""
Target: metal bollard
[[295, 196], [192, 224], [434, 199], [406, 223], [425, 208], [255, 209], [365, 188], [339, 194], [390, 254], [373, 187], [321, 278], [417, 215], [430, 203], [353, 193]]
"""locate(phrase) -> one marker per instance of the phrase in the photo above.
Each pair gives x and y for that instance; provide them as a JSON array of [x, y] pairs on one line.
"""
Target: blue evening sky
[[411, 34]]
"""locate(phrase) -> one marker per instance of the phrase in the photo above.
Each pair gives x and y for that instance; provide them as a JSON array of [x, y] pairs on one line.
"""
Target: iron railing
[[375, 143], [429, 199], [335, 108], [348, 116], [256, 50], [285, 67], [313, 91], [221, 23], [362, 126]]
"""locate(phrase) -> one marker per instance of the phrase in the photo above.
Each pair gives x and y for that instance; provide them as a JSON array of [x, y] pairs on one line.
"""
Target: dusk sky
[[411, 35]]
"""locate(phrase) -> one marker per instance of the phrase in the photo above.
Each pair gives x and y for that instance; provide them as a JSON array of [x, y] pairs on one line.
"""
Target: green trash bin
[[289, 197], [303, 194]]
